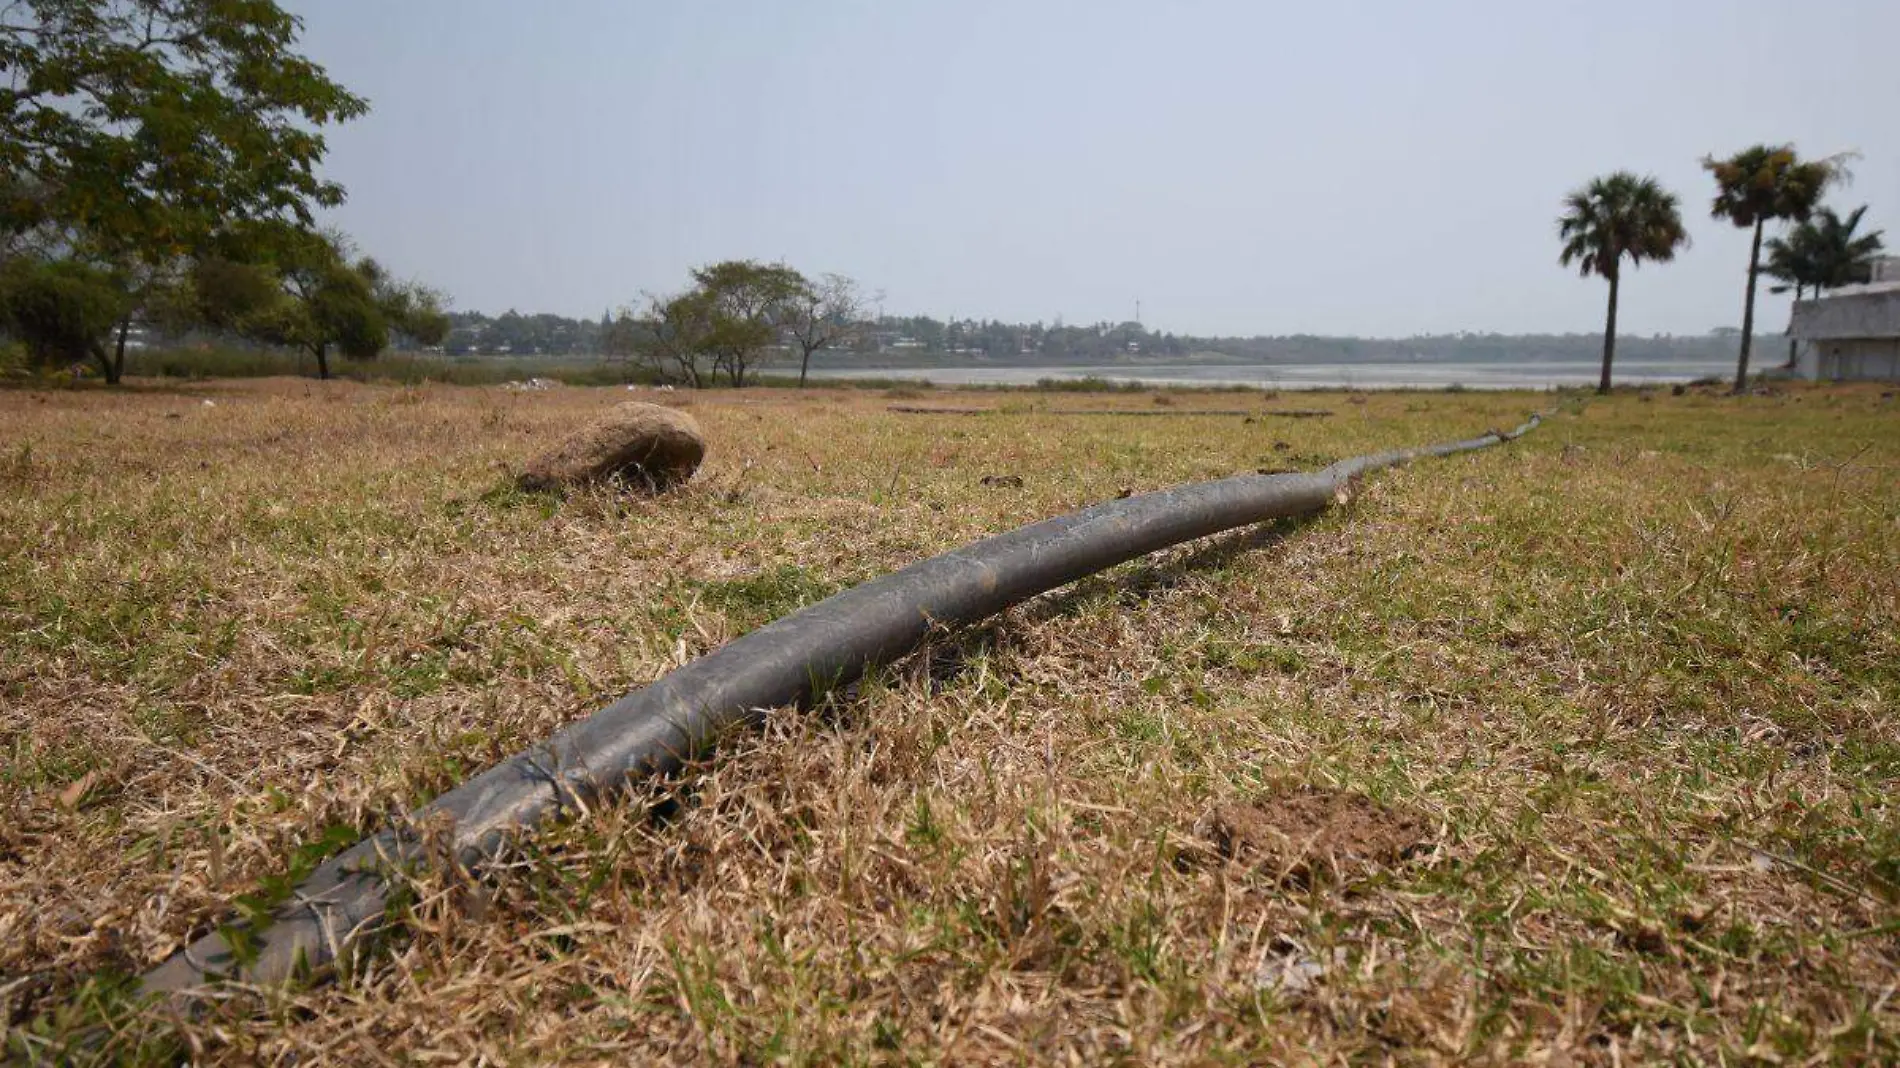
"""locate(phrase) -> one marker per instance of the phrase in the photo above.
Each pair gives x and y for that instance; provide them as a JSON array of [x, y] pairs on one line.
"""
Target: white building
[[1851, 333]]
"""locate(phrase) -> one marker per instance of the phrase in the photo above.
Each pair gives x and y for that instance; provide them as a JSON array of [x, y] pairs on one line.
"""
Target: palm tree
[[1615, 216], [1822, 253], [1792, 262], [1758, 184], [1842, 259]]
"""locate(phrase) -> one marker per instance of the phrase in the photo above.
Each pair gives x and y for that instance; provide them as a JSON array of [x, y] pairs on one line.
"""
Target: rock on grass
[[645, 446]]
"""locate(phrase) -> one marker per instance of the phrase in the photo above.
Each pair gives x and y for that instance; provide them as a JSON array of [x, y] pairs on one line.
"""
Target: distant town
[[924, 340]]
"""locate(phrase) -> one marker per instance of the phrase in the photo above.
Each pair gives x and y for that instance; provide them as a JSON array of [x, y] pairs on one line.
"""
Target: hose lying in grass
[[654, 730]]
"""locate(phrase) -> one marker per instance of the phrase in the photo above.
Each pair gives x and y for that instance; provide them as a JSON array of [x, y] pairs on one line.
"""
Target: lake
[[1529, 374]]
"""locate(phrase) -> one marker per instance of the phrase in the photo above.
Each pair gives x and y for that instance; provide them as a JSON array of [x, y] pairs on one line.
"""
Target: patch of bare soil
[[1316, 835]]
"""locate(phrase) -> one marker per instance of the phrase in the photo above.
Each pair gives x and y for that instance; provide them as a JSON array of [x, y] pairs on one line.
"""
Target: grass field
[[1582, 750]]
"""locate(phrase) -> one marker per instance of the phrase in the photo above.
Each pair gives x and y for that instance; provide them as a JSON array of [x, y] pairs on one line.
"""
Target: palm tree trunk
[[1609, 338], [1792, 343], [1748, 310]]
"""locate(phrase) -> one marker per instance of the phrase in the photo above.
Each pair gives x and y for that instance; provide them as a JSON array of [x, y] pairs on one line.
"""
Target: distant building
[[1851, 333]]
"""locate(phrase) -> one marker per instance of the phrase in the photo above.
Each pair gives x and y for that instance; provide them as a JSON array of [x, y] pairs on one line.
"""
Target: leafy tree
[[930, 332], [823, 315], [1615, 217], [413, 311], [305, 292], [747, 303], [623, 336], [149, 124], [134, 131], [1759, 184], [672, 338], [729, 321], [62, 310]]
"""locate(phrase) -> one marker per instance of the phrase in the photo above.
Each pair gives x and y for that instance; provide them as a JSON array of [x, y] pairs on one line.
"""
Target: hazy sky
[[1240, 167]]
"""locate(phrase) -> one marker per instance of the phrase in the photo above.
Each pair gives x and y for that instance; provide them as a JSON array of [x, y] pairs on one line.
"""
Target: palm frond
[[1616, 216], [1766, 182]]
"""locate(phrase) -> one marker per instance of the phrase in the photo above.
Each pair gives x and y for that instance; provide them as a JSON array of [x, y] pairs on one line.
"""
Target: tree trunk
[[322, 352], [804, 364], [105, 363], [1609, 338], [117, 370], [1792, 343], [1748, 310]]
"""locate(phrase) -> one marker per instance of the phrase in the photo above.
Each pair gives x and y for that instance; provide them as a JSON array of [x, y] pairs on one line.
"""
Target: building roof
[[1868, 311]]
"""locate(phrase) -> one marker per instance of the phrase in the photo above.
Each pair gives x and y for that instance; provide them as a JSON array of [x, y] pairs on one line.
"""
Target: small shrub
[[13, 359], [1089, 384]]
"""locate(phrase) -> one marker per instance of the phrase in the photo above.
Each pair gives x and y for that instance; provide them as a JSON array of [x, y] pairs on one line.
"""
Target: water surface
[[1530, 374]]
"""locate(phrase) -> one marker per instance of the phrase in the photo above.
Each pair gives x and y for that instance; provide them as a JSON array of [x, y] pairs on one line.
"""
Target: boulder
[[646, 446]]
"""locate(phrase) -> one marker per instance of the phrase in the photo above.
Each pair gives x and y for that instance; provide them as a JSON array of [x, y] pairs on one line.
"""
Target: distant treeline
[[511, 333], [901, 339]]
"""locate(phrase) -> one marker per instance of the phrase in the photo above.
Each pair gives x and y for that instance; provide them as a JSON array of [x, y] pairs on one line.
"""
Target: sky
[[1240, 168]]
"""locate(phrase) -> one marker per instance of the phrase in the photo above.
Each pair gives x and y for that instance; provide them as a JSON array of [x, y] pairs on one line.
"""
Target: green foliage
[[728, 322], [320, 302], [227, 294], [669, 341], [135, 133], [1615, 217], [535, 334], [1759, 185], [1792, 260], [106, 1020], [415, 311], [61, 309], [744, 303], [256, 908], [302, 290], [1769, 182], [13, 358], [148, 125], [1620, 216], [1824, 252], [396, 368]]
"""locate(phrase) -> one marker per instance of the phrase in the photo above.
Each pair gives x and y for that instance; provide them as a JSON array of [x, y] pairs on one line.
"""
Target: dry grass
[[1581, 751]]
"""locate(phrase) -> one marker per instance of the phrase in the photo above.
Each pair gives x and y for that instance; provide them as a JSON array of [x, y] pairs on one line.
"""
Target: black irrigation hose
[[654, 730]]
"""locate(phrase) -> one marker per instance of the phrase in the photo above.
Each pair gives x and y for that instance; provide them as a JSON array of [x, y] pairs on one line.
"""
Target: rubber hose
[[654, 730]]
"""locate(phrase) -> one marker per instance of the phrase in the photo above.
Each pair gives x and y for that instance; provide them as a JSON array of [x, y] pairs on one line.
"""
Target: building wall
[[1866, 312], [1851, 360]]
